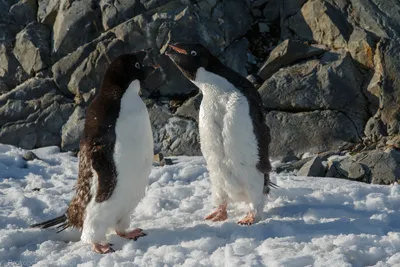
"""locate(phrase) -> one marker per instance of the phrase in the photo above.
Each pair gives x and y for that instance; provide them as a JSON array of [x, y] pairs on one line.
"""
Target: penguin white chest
[[227, 139], [133, 151]]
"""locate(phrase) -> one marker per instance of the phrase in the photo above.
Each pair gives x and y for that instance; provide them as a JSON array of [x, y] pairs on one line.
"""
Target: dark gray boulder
[[313, 168], [285, 54], [320, 21], [33, 113], [24, 12], [190, 108], [331, 83], [72, 130], [32, 48], [174, 135], [384, 165], [235, 56], [115, 12], [385, 84], [348, 169], [47, 11], [77, 23], [314, 132]]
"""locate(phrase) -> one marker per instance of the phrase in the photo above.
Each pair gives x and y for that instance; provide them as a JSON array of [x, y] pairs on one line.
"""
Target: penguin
[[234, 137], [115, 158]]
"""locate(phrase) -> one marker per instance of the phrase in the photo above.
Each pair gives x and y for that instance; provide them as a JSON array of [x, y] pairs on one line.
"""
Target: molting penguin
[[233, 135], [115, 159]]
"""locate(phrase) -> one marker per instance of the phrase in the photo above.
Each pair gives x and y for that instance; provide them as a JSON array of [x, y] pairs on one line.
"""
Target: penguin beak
[[176, 49]]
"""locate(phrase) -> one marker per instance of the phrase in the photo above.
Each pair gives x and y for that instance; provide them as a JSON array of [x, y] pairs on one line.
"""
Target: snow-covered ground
[[307, 221]]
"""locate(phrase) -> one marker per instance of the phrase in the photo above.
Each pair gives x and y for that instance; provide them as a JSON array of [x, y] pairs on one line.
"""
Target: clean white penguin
[[233, 135], [115, 159]]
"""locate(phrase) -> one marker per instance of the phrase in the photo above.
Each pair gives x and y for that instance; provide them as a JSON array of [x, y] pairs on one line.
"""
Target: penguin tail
[[268, 184], [60, 223]]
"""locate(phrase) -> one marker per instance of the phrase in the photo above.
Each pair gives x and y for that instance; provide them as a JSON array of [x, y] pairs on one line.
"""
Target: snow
[[307, 221]]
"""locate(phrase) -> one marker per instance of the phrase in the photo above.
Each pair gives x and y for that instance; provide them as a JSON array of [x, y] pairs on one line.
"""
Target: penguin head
[[189, 57], [129, 67]]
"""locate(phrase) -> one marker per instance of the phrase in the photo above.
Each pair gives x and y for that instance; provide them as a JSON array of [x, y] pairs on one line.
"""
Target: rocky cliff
[[327, 70]]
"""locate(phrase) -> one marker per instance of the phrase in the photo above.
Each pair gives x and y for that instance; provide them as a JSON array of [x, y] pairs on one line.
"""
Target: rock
[[394, 142], [313, 132], [320, 21], [256, 12], [362, 46], [263, 27], [374, 129], [77, 23], [168, 161], [271, 10], [32, 48], [63, 69], [289, 8], [32, 114], [348, 169], [255, 80], [173, 135], [83, 68], [24, 12], [381, 17], [384, 166], [326, 155], [300, 163], [47, 11], [90, 72], [115, 12], [181, 23], [7, 34], [3, 87], [235, 57], [312, 168], [158, 160], [72, 130], [11, 72], [385, 84], [292, 166], [284, 168], [331, 83], [190, 109], [290, 158], [29, 156], [258, 3], [285, 54], [152, 4]]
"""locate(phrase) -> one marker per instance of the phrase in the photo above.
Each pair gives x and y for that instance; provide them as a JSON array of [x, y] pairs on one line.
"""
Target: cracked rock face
[[331, 80], [313, 132], [32, 48]]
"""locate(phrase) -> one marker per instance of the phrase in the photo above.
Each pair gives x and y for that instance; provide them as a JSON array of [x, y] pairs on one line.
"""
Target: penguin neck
[[131, 93], [211, 84], [130, 100], [134, 87]]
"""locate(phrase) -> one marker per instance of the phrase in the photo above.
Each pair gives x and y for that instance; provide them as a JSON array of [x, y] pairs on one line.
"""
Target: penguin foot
[[135, 234], [249, 219], [102, 249], [219, 215]]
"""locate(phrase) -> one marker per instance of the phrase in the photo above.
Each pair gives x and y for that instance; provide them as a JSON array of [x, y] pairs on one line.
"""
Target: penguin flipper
[[103, 165]]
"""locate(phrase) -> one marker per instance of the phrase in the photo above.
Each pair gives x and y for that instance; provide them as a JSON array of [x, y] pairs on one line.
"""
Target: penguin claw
[[102, 249], [135, 234], [248, 220], [219, 215]]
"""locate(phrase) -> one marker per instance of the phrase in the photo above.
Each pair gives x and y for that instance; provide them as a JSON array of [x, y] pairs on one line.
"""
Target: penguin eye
[[137, 65], [193, 53]]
